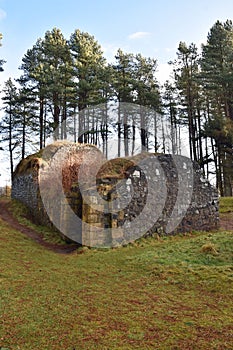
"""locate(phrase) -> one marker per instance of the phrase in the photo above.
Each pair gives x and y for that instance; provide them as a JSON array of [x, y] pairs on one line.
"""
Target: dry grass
[[117, 168], [209, 248]]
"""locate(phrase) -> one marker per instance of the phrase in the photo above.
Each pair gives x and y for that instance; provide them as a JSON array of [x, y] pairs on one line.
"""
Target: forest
[[67, 87]]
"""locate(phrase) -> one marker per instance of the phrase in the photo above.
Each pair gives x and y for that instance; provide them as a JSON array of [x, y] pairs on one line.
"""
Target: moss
[[28, 164], [117, 168]]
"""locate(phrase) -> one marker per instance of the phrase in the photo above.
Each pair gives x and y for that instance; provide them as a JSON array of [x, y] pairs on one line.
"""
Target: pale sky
[[153, 28]]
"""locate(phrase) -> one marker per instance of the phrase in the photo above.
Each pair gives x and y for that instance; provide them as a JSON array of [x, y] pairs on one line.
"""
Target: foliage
[[186, 70], [8, 125], [64, 79], [216, 75], [203, 85]]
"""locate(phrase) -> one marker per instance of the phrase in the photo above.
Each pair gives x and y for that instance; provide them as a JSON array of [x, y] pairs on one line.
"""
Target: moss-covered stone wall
[[145, 195]]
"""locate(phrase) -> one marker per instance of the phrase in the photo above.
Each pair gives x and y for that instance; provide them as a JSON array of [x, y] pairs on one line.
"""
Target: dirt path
[[7, 216]]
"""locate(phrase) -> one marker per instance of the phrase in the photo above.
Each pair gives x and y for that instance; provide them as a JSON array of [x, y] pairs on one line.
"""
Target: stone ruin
[[107, 203]]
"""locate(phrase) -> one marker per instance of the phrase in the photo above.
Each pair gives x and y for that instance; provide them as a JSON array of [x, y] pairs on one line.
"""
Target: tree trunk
[[133, 138], [56, 116], [220, 171], [23, 135], [10, 145], [41, 121], [143, 130], [64, 118], [119, 131]]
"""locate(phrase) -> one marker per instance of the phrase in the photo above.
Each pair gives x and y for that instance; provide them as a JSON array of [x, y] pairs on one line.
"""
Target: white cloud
[[138, 35], [2, 14], [163, 72]]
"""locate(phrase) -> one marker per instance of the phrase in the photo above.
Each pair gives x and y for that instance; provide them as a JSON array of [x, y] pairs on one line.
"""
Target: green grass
[[21, 213], [171, 293], [226, 204], [226, 208]]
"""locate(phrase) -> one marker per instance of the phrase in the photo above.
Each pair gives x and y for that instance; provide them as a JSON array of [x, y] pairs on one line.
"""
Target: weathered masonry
[[100, 203]]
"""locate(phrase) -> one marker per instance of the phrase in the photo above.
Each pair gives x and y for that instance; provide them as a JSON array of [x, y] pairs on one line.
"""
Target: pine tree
[[48, 67], [217, 80], [88, 65], [9, 135], [34, 78], [186, 69], [171, 111], [25, 119], [57, 69], [146, 92], [134, 82]]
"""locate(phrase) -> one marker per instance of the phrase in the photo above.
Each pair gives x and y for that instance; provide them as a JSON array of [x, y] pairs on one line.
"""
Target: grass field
[[170, 293]]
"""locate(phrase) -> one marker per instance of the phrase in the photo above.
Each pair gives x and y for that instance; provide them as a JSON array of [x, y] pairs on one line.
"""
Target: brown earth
[[6, 215], [226, 223]]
